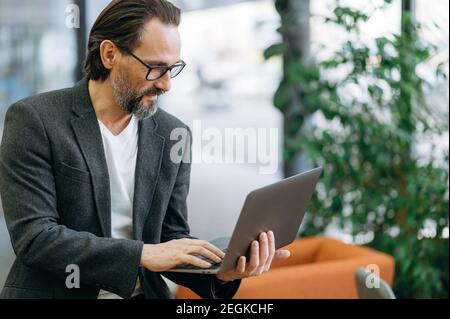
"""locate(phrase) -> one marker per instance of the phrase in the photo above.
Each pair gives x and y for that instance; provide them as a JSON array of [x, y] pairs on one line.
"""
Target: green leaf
[[282, 95], [273, 50]]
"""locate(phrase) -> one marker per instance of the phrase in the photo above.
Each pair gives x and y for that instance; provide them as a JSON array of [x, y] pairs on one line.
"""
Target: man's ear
[[109, 54]]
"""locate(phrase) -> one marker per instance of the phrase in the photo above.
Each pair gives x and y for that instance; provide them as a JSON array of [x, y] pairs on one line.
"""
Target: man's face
[[160, 45]]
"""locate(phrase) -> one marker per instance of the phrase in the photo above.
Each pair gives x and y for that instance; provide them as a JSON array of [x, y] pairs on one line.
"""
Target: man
[[88, 183]]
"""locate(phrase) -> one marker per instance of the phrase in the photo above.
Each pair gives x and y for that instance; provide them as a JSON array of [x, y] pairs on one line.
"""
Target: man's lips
[[151, 96]]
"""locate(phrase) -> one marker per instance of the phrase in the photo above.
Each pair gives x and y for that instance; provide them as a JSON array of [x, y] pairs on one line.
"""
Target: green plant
[[375, 187]]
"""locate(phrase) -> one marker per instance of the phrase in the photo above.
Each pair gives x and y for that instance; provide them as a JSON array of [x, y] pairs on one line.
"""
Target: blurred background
[[358, 87]]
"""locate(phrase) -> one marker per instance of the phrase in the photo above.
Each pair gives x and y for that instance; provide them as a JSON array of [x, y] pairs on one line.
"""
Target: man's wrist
[[144, 254]]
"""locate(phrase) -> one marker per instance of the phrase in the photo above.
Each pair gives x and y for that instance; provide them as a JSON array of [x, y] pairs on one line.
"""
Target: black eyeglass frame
[[164, 69]]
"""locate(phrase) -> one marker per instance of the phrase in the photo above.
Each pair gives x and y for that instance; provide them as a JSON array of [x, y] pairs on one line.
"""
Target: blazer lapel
[[87, 132], [148, 165]]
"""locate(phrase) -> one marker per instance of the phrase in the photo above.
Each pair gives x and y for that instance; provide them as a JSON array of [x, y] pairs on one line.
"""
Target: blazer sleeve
[[27, 189], [175, 226]]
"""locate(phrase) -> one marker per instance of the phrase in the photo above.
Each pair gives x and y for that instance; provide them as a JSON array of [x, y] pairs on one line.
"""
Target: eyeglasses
[[156, 72]]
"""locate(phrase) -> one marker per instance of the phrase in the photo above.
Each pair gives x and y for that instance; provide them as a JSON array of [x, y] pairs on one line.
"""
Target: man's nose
[[164, 83]]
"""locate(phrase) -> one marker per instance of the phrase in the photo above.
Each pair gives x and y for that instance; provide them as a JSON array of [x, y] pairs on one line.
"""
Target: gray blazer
[[55, 191]]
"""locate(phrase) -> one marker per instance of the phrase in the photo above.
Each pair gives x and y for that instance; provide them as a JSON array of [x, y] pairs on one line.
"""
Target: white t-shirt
[[121, 155]]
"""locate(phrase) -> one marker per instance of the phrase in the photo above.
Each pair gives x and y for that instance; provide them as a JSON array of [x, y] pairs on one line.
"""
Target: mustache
[[151, 91]]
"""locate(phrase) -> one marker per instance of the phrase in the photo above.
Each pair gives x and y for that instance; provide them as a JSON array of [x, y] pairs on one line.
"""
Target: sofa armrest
[[319, 267], [333, 279]]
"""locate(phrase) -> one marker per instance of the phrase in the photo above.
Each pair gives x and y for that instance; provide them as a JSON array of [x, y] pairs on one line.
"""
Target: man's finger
[[205, 253], [263, 252], [271, 239], [209, 246], [189, 259], [263, 249], [215, 250], [240, 267], [254, 258]]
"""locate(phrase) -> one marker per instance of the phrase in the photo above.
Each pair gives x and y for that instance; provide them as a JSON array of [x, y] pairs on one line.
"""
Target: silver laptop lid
[[279, 207]]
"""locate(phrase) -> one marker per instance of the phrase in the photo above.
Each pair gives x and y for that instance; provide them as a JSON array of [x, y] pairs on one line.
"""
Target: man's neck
[[106, 108]]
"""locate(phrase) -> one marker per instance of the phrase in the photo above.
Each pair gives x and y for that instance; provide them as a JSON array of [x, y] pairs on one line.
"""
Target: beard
[[131, 100]]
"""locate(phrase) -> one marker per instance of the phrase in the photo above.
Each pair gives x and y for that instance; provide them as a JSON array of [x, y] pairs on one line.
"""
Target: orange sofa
[[319, 267]]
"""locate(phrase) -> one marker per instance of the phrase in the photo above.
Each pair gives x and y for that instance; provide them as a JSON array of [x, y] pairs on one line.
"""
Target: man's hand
[[262, 254], [165, 256]]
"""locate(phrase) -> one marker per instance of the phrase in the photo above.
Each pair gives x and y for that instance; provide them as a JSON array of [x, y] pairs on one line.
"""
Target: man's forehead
[[160, 43]]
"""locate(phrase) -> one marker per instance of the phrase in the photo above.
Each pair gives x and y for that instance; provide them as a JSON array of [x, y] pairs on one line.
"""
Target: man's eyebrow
[[157, 63], [154, 62]]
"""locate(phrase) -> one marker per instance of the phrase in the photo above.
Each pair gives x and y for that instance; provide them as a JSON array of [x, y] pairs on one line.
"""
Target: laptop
[[279, 207]]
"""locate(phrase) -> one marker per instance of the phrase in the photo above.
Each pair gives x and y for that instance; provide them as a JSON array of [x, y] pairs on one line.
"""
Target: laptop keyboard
[[189, 266]]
